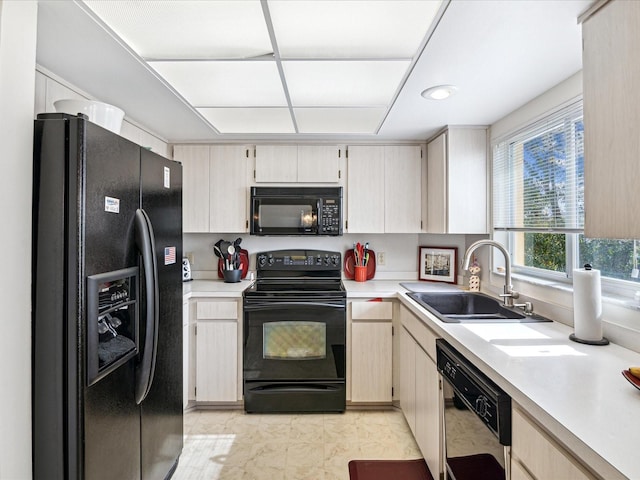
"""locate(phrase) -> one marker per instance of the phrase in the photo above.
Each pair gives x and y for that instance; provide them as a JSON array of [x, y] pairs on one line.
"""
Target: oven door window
[[294, 341]]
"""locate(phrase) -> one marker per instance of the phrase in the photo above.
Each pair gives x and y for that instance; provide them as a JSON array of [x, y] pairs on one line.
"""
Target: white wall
[[18, 25], [401, 250]]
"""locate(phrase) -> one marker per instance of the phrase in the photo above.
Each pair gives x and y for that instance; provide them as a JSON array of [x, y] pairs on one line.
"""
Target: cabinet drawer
[[217, 310], [371, 310], [425, 337], [540, 454]]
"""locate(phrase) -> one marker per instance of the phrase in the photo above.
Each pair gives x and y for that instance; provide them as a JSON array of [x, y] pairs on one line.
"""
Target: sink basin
[[461, 307]]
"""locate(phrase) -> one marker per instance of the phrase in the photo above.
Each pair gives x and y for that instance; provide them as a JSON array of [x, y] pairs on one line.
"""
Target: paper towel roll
[[587, 304]]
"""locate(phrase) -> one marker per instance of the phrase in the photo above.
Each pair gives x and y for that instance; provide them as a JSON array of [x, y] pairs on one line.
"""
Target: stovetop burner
[[298, 271]]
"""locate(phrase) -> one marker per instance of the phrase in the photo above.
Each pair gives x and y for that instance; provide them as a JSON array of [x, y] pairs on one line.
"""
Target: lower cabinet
[[420, 388], [216, 351], [371, 352], [536, 456]]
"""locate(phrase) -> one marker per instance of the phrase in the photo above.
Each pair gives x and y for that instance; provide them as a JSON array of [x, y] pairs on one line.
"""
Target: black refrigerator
[[106, 305]]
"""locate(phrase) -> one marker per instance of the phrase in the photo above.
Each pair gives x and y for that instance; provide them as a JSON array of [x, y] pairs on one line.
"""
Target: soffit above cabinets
[[278, 66]]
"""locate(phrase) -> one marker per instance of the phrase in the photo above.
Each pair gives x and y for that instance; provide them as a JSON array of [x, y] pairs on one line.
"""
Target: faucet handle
[[526, 306]]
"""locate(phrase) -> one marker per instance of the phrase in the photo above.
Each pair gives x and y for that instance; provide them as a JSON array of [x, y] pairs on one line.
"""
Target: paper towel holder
[[602, 341]]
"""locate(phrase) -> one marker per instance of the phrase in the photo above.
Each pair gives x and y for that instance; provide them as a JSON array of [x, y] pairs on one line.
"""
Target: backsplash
[[401, 250]]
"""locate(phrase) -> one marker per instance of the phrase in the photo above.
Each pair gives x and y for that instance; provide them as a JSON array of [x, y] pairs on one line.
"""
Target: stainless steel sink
[[458, 307]]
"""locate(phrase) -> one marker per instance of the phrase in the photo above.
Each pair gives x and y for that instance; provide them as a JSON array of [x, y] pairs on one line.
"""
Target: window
[[538, 202]]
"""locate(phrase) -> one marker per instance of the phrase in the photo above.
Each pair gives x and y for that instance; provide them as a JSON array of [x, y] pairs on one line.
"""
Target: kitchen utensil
[[217, 251], [349, 264], [242, 260]]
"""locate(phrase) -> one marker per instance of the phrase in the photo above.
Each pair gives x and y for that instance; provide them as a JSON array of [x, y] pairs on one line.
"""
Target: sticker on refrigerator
[[169, 255], [111, 204], [167, 177]]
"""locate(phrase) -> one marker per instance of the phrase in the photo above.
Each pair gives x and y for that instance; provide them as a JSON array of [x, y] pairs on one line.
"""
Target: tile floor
[[231, 445]]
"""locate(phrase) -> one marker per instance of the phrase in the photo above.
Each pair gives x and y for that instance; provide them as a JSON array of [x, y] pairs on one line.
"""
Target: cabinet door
[[467, 180], [318, 163], [611, 79], [217, 360], [228, 189], [365, 189], [276, 163], [518, 472], [427, 406], [371, 369], [408, 378], [403, 189], [437, 185], [195, 187], [540, 454]]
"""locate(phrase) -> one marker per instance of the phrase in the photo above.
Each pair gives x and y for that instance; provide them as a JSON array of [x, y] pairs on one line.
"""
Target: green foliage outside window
[[546, 251]]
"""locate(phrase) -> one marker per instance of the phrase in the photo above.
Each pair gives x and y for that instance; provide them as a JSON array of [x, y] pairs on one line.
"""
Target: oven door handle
[[271, 305]]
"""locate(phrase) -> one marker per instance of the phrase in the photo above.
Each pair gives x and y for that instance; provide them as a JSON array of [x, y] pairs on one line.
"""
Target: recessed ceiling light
[[440, 92]]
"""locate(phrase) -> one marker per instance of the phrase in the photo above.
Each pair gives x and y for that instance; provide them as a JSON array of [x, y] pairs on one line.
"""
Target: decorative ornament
[[474, 279]]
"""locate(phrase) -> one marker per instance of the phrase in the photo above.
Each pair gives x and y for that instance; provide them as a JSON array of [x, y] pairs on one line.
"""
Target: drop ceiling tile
[[338, 120], [351, 29], [225, 83], [249, 120], [343, 83], [188, 29]]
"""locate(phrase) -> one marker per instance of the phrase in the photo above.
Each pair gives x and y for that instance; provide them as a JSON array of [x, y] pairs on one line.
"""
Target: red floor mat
[[389, 470]]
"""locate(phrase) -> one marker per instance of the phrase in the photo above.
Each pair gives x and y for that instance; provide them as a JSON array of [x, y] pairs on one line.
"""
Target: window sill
[[621, 300]]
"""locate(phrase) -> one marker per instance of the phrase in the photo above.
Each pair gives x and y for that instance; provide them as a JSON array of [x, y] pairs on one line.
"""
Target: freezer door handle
[[146, 244]]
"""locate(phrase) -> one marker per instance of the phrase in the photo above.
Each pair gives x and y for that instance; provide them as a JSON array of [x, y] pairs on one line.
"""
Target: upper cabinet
[[384, 189], [214, 188], [457, 181], [297, 163], [611, 81]]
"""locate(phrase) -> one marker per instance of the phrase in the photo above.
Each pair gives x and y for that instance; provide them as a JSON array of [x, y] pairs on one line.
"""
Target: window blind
[[538, 175]]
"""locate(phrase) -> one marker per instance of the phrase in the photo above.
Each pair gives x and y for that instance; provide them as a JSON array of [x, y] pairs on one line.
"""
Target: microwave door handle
[[319, 215]]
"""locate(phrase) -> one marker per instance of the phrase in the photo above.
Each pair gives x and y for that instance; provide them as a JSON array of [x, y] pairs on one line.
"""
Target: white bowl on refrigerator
[[100, 113]]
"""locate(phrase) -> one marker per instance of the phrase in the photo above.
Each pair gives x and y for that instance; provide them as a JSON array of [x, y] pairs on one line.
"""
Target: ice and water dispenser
[[112, 321]]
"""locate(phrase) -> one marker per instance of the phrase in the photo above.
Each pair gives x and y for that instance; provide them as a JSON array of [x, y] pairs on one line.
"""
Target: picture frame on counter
[[438, 264]]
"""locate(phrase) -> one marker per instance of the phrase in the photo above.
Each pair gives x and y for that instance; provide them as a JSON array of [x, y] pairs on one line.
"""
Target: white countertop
[[213, 288], [575, 391]]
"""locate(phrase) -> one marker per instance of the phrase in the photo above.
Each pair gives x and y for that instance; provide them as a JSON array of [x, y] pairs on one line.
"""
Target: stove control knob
[[271, 260], [335, 260], [262, 260]]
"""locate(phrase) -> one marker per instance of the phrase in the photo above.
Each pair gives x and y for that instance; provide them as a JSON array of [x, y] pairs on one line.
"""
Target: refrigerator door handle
[[146, 244]]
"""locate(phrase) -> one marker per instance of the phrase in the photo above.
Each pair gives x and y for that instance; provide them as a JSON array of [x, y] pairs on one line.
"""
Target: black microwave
[[296, 211]]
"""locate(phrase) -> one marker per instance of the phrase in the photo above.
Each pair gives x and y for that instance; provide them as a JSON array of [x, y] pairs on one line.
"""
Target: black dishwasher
[[477, 420]]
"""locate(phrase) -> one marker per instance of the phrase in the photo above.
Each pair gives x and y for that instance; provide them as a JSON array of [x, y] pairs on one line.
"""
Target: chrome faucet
[[509, 294]]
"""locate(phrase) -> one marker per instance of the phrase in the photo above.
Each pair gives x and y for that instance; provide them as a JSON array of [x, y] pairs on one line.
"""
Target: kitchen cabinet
[[371, 351], [384, 189], [365, 187], [48, 91], [228, 189], [297, 164], [611, 82], [215, 188], [420, 397], [217, 351], [457, 181], [195, 186], [536, 456]]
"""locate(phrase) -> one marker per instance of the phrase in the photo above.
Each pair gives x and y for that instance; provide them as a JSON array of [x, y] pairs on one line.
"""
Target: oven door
[[295, 215], [294, 355]]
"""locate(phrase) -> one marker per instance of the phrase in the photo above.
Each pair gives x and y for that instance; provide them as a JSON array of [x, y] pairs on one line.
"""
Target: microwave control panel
[[331, 222]]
